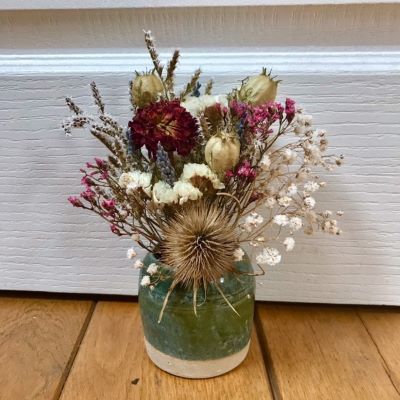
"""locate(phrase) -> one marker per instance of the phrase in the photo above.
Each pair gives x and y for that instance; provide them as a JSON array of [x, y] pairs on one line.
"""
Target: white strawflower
[[238, 254], [152, 268], [265, 162], [289, 243], [295, 223], [138, 264], [291, 190], [192, 170], [196, 105], [309, 202], [284, 201], [145, 281], [281, 220], [134, 180], [311, 186], [269, 256], [131, 253], [270, 202], [186, 191], [163, 193]]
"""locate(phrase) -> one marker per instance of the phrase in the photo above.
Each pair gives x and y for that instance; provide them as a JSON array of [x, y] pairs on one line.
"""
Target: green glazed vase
[[205, 345]]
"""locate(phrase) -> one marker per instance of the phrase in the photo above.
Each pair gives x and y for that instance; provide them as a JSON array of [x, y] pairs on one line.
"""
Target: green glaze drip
[[215, 332]]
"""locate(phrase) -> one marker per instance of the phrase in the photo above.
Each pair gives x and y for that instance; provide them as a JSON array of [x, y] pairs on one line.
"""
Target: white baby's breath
[[309, 202], [145, 281], [152, 268], [281, 220], [238, 254], [269, 256], [295, 223], [289, 243], [131, 253]]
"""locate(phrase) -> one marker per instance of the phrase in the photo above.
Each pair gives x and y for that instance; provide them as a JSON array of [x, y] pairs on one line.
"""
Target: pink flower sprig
[[243, 171]]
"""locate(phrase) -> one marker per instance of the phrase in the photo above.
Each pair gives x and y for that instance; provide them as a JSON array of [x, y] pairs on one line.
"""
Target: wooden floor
[[93, 350]]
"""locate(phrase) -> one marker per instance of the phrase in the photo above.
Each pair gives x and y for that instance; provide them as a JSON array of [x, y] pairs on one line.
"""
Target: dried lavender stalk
[[164, 165]]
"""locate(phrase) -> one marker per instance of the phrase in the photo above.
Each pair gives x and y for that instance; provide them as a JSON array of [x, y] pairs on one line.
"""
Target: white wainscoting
[[342, 63]]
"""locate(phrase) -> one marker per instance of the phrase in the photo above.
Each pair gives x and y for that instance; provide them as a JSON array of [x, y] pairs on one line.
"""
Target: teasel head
[[258, 89], [199, 244]]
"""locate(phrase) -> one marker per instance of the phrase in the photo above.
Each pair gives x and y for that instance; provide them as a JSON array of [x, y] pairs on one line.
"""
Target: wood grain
[[38, 338], [384, 328], [323, 353], [112, 364]]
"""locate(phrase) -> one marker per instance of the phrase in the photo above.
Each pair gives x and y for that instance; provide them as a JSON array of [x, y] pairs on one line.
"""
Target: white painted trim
[[115, 4], [232, 63]]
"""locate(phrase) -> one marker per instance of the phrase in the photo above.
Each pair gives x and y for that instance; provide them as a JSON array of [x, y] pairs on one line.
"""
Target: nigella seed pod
[[259, 89], [222, 152], [146, 89]]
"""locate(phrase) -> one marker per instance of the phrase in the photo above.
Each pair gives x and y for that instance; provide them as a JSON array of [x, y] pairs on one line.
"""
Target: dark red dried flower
[[166, 122]]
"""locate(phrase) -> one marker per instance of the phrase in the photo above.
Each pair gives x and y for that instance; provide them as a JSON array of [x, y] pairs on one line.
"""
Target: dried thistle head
[[199, 244]]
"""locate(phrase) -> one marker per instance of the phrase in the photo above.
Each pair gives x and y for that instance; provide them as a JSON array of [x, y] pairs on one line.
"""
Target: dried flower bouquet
[[194, 177]]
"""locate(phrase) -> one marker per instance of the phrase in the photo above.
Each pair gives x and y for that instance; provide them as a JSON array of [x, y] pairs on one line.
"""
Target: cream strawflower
[[134, 180], [163, 193], [194, 173], [196, 105], [186, 191], [138, 264]]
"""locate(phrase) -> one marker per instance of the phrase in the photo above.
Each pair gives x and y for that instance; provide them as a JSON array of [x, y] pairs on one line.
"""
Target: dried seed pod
[[259, 89], [146, 89], [222, 152]]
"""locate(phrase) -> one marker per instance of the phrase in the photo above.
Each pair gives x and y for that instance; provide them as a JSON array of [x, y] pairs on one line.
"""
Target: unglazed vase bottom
[[195, 369]]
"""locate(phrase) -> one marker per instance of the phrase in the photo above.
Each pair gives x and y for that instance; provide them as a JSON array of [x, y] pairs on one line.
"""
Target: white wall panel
[[342, 63]]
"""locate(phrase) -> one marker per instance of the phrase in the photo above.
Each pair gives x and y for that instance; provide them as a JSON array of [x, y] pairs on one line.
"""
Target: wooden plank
[[322, 353], [384, 328], [38, 338], [112, 364]]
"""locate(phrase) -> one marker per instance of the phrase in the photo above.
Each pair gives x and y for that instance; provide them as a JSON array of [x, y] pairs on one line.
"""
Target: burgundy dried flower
[[166, 122]]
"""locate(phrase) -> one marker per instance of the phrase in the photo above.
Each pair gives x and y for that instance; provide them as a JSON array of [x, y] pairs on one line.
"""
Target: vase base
[[195, 369]]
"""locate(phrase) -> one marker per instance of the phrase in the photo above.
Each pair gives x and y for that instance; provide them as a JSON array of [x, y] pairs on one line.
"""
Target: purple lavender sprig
[[164, 165]]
